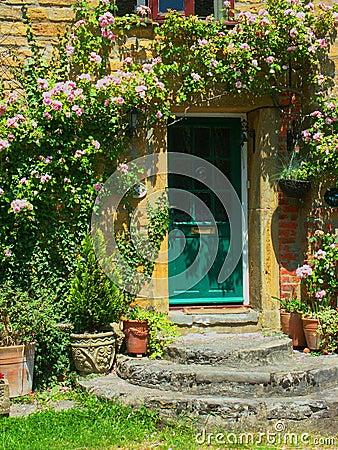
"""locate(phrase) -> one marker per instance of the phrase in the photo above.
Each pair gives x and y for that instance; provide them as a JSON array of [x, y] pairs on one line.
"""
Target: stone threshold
[[244, 319]]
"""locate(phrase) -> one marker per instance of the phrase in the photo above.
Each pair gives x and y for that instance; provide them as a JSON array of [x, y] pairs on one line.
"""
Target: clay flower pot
[[136, 336], [285, 321], [17, 366], [313, 337], [296, 332]]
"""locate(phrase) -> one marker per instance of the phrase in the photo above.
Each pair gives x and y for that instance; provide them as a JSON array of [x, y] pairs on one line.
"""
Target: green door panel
[[194, 243]]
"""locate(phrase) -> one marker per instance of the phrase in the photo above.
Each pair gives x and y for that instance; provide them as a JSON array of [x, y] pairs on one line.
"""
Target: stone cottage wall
[[277, 225]]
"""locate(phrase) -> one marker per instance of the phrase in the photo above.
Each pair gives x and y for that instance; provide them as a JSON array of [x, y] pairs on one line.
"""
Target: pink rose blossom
[[85, 76], [202, 42], [320, 294], [128, 60], [98, 187], [78, 153], [106, 19], [1, 191], [304, 271], [270, 59], [45, 178], [42, 83], [96, 144], [3, 144], [123, 168], [69, 50], [320, 254], [24, 181], [8, 253], [94, 57], [159, 114], [196, 76], [47, 115], [80, 23]]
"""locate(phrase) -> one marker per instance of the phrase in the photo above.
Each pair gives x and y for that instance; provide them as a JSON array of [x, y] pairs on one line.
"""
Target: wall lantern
[[246, 132], [133, 117], [331, 197]]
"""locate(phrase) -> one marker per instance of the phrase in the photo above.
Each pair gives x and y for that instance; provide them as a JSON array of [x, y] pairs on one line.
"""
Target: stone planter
[[294, 188], [17, 365], [136, 336], [4, 397], [312, 336], [93, 353]]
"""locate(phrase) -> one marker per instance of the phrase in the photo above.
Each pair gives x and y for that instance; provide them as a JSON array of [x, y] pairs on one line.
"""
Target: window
[[201, 8]]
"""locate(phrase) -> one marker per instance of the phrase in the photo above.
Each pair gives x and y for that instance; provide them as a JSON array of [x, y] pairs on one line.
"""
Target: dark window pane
[[180, 139], [125, 7], [222, 142], [202, 142], [164, 5], [204, 8]]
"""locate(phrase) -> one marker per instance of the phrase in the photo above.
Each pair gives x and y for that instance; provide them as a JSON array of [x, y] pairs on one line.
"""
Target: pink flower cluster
[[14, 122], [304, 271], [19, 205], [3, 144], [123, 168]]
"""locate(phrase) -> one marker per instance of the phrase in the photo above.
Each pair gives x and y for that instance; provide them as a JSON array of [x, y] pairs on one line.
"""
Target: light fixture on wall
[[133, 117], [245, 132]]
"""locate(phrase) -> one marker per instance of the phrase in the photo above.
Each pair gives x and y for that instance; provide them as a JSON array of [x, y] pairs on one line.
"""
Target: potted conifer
[[95, 303]]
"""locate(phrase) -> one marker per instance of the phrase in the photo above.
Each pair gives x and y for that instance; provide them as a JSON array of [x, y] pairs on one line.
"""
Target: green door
[[199, 240]]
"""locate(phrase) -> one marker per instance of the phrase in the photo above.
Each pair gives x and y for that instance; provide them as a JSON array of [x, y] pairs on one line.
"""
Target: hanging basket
[[294, 188]]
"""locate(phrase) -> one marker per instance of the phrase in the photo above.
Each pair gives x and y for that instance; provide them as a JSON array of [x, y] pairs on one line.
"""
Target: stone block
[[48, 29], [51, 14], [13, 28], [13, 41], [4, 397], [57, 2], [10, 12]]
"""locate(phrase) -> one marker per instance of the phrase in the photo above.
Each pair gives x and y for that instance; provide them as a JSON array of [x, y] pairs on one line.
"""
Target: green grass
[[104, 425]]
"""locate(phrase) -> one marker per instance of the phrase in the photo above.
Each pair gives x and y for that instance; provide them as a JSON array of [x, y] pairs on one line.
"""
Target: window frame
[[189, 9]]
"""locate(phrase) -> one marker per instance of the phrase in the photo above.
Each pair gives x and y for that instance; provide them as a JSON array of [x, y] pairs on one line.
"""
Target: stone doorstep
[[320, 405], [217, 319], [293, 376], [214, 348]]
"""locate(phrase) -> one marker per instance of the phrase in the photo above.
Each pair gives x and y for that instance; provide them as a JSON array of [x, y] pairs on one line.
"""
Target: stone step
[[225, 410], [229, 349], [222, 320], [298, 375]]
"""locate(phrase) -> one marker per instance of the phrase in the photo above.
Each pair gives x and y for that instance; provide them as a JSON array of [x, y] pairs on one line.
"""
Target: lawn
[[107, 425]]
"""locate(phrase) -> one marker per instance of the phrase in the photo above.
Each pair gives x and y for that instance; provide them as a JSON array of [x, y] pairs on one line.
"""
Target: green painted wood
[[218, 141]]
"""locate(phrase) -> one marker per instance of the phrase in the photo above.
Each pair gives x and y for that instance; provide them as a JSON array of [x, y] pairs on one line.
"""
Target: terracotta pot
[[137, 336], [17, 365], [312, 336], [296, 332], [285, 321], [93, 353]]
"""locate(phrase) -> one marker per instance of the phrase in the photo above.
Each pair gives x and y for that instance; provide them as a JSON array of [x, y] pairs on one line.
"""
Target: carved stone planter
[[93, 353], [4, 397]]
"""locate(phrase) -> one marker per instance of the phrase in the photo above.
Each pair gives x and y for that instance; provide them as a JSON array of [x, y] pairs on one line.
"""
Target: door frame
[[244, 191]]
